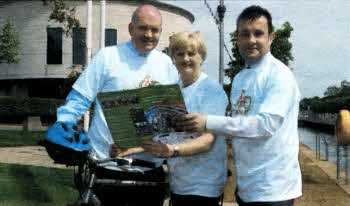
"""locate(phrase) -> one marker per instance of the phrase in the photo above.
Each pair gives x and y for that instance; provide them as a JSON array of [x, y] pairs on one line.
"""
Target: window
[[110, 37], [79, 51], [54, 46]]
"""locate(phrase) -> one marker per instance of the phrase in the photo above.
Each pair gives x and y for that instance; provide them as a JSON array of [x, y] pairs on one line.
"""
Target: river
[[308, 137]]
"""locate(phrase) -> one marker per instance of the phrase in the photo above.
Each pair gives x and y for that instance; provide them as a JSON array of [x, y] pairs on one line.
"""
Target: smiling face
[[145, 30], [188, 63], [188, 51], [253, 39]]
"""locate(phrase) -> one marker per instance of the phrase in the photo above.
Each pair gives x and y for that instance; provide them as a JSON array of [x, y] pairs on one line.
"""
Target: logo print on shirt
[[242, 105], [147, 82]]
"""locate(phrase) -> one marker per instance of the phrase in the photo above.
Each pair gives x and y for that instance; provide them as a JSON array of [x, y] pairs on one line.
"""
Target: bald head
[[145, 28], [145, 10]]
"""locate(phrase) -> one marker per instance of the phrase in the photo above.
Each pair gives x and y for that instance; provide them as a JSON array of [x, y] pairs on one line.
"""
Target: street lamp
[[221, 12]]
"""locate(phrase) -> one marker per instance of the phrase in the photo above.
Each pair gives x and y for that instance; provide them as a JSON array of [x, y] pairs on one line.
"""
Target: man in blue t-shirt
[[127, 66]]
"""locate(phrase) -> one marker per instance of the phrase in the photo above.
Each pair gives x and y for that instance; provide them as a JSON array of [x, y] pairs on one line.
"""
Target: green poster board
[[137, 114]]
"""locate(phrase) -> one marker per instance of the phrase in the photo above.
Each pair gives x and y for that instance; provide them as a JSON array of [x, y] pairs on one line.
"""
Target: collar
[[194, 84], [260, 62], [131, 46]]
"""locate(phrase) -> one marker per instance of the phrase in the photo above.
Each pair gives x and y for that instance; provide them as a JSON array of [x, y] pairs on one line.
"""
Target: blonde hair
[[183, 39]]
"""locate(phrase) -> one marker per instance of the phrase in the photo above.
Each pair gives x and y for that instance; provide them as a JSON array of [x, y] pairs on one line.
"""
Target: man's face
[[145, 32], [253, 39]]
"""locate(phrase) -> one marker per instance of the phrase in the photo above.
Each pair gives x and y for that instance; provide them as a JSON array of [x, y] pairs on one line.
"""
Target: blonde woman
[[197, 166]]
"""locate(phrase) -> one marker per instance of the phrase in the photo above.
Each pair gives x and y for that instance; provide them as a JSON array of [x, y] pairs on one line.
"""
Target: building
[[48, 56]]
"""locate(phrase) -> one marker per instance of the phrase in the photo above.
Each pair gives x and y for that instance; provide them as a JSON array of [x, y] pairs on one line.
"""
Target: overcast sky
[[321, 37]]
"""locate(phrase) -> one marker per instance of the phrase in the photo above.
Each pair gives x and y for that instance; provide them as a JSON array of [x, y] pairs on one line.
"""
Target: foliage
[[332, 90], [15, 138], [28, 106], [237, 64], [335, 98], [335, 91], [308, 101], [63, 14], [9, 44], [331, 105], [281, 49]]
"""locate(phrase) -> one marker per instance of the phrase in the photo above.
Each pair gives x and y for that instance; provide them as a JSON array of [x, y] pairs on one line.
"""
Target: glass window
[[54, 46], [79, 46], [110, 37]]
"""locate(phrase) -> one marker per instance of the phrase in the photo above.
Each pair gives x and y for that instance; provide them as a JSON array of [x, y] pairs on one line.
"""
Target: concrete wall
[[31, 20]]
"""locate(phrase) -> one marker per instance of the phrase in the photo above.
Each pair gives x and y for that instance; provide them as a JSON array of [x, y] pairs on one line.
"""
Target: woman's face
[[188, 63]]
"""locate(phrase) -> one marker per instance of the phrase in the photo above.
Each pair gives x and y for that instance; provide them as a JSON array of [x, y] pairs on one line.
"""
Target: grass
[[14, 138], [36, 186], [22, 185]]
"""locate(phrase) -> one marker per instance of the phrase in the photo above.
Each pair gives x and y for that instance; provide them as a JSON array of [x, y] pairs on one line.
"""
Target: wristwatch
[[176, 151]]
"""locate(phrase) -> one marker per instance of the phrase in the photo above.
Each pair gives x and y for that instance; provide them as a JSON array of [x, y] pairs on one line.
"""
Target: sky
[[321, 37]]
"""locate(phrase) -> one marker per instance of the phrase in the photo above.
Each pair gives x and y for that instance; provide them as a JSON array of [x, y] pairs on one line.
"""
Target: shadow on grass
[[36, 186], [30, 189]]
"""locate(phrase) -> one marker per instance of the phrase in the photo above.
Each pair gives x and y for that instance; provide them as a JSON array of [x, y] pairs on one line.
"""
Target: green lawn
[[13, 138], [22, 185], [36, 186]]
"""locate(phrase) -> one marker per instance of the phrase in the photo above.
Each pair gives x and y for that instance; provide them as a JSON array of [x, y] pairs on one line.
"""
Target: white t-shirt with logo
[[118, 68], [202, 174], [264, 130]]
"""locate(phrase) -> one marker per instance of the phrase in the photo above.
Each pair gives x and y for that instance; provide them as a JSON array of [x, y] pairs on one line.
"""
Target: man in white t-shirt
[[129, 65], [263, 127]]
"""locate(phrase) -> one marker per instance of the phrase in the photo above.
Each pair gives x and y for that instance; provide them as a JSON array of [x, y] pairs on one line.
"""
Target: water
[[308, 137]]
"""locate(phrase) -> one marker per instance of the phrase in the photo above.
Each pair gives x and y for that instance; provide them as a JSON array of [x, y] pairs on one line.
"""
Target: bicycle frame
[[85, 187]]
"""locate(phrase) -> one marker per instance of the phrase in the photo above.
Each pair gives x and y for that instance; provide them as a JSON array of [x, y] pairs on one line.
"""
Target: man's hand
[[116, 151], [157, 149], [191, 122]]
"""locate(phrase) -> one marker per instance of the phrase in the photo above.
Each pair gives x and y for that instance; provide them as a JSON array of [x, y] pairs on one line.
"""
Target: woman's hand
[[157, 149], [116, 151]]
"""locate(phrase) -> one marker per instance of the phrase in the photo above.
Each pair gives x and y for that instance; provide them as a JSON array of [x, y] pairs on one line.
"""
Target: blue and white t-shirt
[[115, 68], [204, 173], [265, 105]]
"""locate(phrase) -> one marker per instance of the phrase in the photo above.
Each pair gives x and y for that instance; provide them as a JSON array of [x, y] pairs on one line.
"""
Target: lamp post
[[102, 23], [221, 9], [88, 51]]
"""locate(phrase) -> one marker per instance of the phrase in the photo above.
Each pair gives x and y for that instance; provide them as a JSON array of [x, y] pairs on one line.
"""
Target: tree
[[332, 91], [9, 44], [344, 88], [63, 14], [335, 91], [280, 48]]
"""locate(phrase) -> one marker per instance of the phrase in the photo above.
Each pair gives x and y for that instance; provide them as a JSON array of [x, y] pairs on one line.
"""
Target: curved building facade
[[48, 55]]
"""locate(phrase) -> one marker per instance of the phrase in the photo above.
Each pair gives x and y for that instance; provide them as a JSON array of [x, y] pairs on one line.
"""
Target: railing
[[329, 119]]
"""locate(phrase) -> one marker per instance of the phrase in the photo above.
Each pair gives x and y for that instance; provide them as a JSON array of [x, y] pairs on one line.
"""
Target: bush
[[327, 105], [19, 108]]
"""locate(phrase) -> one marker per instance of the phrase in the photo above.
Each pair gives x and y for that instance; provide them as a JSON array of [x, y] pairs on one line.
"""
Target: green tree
[[280, 48], [63, 14], [335, 91], [331, 91], [9, 44]]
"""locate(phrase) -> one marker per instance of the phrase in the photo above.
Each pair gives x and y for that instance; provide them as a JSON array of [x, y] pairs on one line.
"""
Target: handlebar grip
[[142, 163]]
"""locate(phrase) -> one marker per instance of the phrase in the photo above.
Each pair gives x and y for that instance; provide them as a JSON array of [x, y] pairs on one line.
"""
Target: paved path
[[319, 184]]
